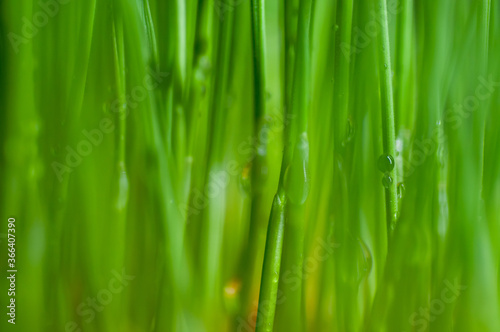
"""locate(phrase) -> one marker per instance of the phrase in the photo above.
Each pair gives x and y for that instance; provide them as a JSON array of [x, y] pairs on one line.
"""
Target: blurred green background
[[143, 141]]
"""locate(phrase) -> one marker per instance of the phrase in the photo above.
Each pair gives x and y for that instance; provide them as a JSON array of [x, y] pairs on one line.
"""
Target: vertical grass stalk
[[387, 103], [258, 177], [271, 266], [295, 180]]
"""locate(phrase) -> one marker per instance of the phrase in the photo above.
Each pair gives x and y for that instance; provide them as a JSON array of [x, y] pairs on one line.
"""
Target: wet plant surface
[[250, 165]]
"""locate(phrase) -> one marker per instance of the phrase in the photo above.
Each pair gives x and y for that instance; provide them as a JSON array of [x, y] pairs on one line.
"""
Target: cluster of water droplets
[[385, 164]]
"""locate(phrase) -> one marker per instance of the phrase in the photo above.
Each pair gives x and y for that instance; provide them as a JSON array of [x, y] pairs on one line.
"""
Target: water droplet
[[386, 66], [349, 134], [336, 27], [441, 156], [386, 181], [444, 219], [401, 190], [399, 146], [385, 163], [268, 95], [297, 179], [205, 63], [262, 150], [123, 187], [203, 68]]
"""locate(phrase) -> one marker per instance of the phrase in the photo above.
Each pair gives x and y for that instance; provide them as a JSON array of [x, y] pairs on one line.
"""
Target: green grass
[[298, 165]]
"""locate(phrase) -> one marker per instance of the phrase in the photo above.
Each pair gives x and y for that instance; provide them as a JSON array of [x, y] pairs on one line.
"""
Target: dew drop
[[349, 134], [399, 146], [123, 187], [297, 178], [386, 66], [401, 190], [205, 63], [203, 68], [441, 156], [268, 95], [386, 181], [385, 163], [262, 150]]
